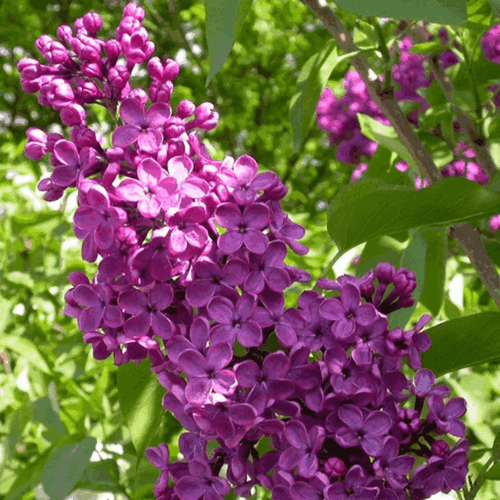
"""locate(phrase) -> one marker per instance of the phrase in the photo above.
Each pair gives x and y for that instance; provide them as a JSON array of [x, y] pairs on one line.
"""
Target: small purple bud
[[118, 76], [335, 467], [170, 69], [384, 272], [133, 10], [65, 33], [185, 108], [73, 114], [91, 70], [440, 448], [140, 95], [29, 68], [92, 22], [155, 68], [113, 49]]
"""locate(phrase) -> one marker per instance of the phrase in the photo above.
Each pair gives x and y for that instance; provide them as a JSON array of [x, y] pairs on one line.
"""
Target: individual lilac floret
[[142, 127], [491, 44], [207, 373], [365, 430], [392, 466], [243, 228], [200, 483], [347, 312], [354, 486], [304, 446]]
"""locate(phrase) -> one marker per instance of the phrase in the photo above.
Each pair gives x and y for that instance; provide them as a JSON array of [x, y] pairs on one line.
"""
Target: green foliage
[[140, 398], [224, 21], [463, 342], [356, 214], [434, 11]]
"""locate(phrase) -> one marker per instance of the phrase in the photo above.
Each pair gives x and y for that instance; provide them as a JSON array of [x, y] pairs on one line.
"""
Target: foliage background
[[53, 394]]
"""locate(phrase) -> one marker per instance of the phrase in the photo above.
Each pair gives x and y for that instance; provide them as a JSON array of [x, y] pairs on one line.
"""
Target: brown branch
[[468, 238]]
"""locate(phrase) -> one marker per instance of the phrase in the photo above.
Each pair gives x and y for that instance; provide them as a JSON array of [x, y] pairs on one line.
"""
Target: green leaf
[[99, 476], [65, 467], [495, 5], [312, 79], [383, 249], [385, 135], [27, 349], [433, 11], [44, 413], [370, 208], [414, 258], [493, 473], [431, 48], [140, 396], [224, 20], [435, 269], [463, 342]]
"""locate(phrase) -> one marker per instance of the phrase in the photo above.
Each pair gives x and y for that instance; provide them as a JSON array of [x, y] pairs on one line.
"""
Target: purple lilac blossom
[[192, 270]]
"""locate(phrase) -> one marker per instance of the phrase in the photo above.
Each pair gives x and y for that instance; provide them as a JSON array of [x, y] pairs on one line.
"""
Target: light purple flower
[[141, 126], [243, 228]]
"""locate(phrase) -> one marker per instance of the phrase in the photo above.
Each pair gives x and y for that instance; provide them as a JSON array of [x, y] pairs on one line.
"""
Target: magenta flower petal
[[296, 434], [87, 218], [64, 176], [250, 334], [137, 326], [90, 319], [221, 310], [132, 112], [256, 216], [228, 215], [125, 135], [193, 363], [67, 153], [255, 241], [132, 301], [150, 140], [104, 236], [85, 295], [158, 114], [197, 390], [230, 242], [161, 325], [219, 356], [161, 297], [200, 292], [351, 416]]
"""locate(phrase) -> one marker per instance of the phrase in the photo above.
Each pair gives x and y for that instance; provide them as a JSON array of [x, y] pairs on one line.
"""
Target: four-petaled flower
[[141, 126]]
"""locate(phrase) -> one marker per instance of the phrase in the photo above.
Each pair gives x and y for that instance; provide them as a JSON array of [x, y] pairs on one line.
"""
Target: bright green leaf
[[65, 467], [385, 135], [463, 342], [26, 348], [435, 270], [433, 11], [383, 249], [369, 208], [312, 79], [140, 396], [431, 48], [224, 20]]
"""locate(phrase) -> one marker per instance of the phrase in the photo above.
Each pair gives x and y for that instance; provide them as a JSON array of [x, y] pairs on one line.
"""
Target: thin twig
[[468, 238]]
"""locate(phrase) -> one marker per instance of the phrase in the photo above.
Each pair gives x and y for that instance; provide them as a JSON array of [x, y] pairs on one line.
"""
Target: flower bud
[[92, 22], [65, 33], [118, 76], [133, 10], [72, 114], [185, 108]]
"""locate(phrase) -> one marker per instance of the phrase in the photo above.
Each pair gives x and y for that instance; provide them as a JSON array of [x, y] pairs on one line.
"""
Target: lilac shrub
[[192, 275]]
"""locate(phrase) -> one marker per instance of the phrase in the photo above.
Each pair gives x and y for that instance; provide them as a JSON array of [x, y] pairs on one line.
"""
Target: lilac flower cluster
[[337, 116], [192, 276]]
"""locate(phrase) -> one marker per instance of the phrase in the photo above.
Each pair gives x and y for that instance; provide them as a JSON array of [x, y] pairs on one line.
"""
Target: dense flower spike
[[192, 271]]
